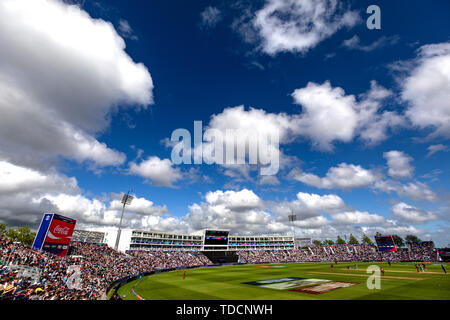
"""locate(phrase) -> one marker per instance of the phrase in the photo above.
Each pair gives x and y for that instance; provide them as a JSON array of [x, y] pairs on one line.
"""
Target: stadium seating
[[101, 265]]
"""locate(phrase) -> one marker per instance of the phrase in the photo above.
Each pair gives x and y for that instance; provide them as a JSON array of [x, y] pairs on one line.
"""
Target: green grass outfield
[[400, 281]]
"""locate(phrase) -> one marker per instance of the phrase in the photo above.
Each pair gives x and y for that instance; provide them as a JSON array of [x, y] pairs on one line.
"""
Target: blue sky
[[173, 63]]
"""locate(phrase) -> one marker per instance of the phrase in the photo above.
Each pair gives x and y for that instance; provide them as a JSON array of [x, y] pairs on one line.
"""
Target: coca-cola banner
[[58, 235]]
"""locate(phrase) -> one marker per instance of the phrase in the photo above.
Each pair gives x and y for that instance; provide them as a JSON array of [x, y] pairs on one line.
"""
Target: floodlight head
[[127, 199], [292, 217]]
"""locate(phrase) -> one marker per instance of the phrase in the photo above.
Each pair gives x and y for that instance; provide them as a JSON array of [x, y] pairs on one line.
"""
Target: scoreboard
[[54, 234], [385, 243], [216, 237]]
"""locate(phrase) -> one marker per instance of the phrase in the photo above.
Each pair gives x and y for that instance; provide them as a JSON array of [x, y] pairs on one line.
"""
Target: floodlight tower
[[293, 218], [126, 200]]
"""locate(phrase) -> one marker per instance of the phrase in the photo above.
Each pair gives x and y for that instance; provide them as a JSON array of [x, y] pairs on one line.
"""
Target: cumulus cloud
[[375, 121], [239, 211], [28, 193], [256, 133], [399, 164], [436, 148], [253, 120], [95, 212], [426, 89], [62, 75], [392, 227], [160, 172], [349, 176], [18, 179], [306, 206], [357, 217], [139, 205], [244, 212], [269, 180], [344, 176], [311, 201], [126, 31], [297, 25], [313, 222], [412, 214], [325, 109], [25, 194], [239, 201], [414, 190]]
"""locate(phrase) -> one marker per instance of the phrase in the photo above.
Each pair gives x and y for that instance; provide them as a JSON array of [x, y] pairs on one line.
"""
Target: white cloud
[[436, 148], [23, 201], [239, 201], [253, 120], [18, 179], [325, 108], [417, 191], [344, 176], [427, 89], [399, 164], [374, 124], [313, 222], [62, 75], [239, 211], [354, 43], [82, 209], [140, 206], [95, 212], [25, 194], [412, 214], [162, 224], [348, 176], [357, 217], [210, 17], [269, 180], [160, 171], [392, 227], [413, 190], [244, 212], [244, 129], [308, 209], [126, 31], [311, 201], [299, 25]]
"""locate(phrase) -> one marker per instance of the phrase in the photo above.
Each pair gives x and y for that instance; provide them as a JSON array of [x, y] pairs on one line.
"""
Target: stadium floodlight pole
[[293, 218], [126, 200]]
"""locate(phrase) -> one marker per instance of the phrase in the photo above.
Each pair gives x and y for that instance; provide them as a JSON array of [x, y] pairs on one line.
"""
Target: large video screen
[[54, 234], [215, 237], [385, 243]]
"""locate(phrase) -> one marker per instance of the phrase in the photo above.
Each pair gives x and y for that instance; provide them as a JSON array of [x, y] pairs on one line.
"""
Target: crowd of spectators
[[159, 260], [423, 252], [99, 265]]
